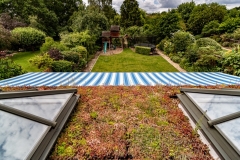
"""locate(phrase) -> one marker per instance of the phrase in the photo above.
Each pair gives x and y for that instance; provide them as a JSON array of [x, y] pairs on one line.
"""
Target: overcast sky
[[163, 5]]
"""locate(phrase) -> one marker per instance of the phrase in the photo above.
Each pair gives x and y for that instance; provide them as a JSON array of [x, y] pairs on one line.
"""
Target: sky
[[151, 6]]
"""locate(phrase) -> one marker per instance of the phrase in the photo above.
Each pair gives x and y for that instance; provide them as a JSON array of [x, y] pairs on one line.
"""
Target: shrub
[[182, 40], [72, 40], [71, 56], [81, 50], [76, 58], [42, 62], [142, 50], [9, 69], [160, 46], [210, 29], [226, 44], [175, 58], [230, 63], [229, 25], [51, 44], [5, 38], [55, 54], [62, 66], [204, 42], [168, 47], [28, 38]]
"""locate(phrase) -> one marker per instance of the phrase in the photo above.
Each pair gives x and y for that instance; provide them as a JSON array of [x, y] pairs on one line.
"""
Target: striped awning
[[120, 79]]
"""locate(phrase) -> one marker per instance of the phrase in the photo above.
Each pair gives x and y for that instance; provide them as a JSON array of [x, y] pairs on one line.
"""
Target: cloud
[[151, 6]]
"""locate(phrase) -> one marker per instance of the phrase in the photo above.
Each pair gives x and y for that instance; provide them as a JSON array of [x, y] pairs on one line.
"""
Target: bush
[[230, 63], [210, 29], [71, 56], [175, 58], [204, 42], [9, 69], [160, 46], [81, 50], [62, 66], [42, 62], [72, 40], [182, 40], [5, 38], [51, 44], [142, 50], [226, 44], [29, 38], [168, 47], [55, 54], [76, 58], [229, 25]]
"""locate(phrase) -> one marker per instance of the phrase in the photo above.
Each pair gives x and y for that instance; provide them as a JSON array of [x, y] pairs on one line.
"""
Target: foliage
[[89, 20], [231, 63], [81, 50], [71, 56], [160, 46], [147, 125], [28, 38], [62, 66], [202, 14], [9, 22], [9, 69], [76, 58], [42, 61], [55, 54], [204, 42], [229, 25], [185, 9], [210, 29], [167, 25], [168, 47], [129, 61], [130, 14], [5, 38], [142, 50], [51, 44], [182, 40], [74, 39]]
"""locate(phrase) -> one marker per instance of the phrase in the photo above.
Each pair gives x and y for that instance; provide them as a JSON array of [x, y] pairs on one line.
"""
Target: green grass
[[128, 61], [22, 58]]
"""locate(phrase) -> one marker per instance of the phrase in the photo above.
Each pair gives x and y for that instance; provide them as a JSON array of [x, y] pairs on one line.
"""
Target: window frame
[[42, 150], [223, 147]]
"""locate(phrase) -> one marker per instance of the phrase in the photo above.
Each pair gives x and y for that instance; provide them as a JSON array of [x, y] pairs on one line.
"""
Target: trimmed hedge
[[71, 56], [142, 50], [62, 66], [29, 38]]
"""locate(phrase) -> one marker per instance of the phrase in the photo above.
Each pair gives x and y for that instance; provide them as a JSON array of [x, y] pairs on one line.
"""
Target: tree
[[130, 14], [210, 29], [167, 24], [182, 40], [203, 14], [185, 9]]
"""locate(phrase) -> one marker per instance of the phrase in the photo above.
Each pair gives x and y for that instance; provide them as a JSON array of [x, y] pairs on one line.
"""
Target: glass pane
[[47, 106], [18, 136], [231, 129], [216, 105]]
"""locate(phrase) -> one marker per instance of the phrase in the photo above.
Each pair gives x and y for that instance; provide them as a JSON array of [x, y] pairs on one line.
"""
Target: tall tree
[[185, 9], [167, 24], [130, 14], [100, 3], [203, 14]]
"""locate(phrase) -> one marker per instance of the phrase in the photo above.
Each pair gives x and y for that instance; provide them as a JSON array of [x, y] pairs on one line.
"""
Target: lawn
[[22, 58], [128, 61]]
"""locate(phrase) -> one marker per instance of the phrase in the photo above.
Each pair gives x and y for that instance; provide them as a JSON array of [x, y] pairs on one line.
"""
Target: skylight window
[[30, 122], [218, 114]]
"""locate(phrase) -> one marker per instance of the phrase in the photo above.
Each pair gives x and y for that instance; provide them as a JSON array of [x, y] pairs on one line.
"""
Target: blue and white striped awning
[[120, 79]]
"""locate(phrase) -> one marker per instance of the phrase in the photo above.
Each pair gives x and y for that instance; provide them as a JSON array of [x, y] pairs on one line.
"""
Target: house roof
[[120, 79]]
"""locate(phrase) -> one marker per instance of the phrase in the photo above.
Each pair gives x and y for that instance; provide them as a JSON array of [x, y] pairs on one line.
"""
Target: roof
[[115, 28], [120, 79]]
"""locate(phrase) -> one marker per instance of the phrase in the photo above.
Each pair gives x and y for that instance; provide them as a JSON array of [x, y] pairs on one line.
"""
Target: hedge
[[142, 50], [62, 66]]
